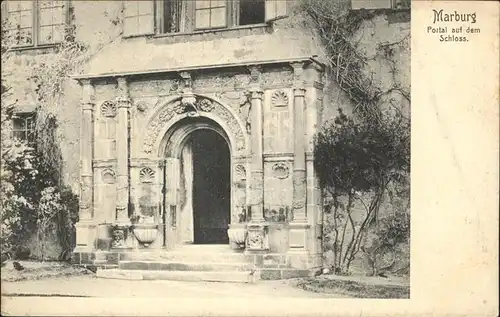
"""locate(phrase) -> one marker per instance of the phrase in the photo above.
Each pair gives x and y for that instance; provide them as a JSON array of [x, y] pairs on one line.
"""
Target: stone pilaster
[[257, 163], [85, 227], [299, 225], [122, 172], [257, 238]]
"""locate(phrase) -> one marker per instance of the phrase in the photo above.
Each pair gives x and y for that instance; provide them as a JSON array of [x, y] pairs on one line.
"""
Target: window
[[173, 16], [380, 4], [35, 23], [210, 14], [23, 127], [252, 12], [138, 17]]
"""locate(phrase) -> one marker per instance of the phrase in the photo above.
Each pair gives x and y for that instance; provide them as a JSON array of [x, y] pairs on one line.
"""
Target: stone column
[[122, 188], [299, 224], [84, 227], [122, 220], [257, 239], [257, 163]]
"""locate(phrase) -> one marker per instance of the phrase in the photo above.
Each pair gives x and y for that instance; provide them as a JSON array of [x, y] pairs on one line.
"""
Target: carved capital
[[88, 92], [123, 102], [299, 91], [256, 94], [88, 106]]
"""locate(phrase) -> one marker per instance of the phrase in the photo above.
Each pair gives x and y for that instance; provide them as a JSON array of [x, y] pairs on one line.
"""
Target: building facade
[[196, 124]]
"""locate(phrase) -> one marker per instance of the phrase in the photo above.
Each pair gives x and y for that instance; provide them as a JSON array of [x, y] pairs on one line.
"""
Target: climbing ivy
[[361, 158]]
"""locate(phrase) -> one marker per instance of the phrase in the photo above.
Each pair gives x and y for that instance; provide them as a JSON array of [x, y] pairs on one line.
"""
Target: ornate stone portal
[[134, 161]]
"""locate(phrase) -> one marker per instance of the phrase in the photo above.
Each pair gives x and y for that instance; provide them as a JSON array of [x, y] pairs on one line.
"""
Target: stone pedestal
[[257, 238], [85, 234]]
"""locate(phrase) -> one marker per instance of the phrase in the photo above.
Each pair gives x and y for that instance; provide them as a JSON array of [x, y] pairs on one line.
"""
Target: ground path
[[90, 296], [89, 286]]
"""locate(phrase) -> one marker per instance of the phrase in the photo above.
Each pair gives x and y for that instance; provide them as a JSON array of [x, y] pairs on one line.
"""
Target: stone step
[[183, 256], [193, 276], [184, 266]]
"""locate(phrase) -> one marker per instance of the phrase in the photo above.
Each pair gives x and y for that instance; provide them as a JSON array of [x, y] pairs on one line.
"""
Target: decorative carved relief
[[168, 86], [230, 120], [177, 107], [277, 78], [85, 195], [241, 80], [180, 107], [299, 191], [118, 235], [142, 106], [281, 170], [255, 239], [239, 102], [240, 172], [205, 105], [237, 98], [255, 72], [187, 80], [256, 189], [214, 82], [298, 70], [108, 176], [146, 175], [108, 109], [279, 99], [277, 213]]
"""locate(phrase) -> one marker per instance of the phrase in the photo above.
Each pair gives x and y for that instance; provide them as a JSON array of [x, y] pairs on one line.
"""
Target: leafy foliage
[[356, 161], [33, 198], [359, 158], [349, 64]]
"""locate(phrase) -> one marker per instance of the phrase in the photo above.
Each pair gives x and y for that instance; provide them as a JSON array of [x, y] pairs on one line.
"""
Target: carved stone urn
[[237, 234], [145, 232]]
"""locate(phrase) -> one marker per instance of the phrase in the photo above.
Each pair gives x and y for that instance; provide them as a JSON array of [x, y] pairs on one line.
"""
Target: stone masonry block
[[295, 273], [75, 258], [267, 274]]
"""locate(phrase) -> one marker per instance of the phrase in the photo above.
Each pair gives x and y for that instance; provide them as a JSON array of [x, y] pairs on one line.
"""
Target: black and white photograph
[[206, 149]]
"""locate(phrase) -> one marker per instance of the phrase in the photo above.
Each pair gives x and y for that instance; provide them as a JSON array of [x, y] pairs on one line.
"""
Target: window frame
[[35, 26], [227, 14], [389, 5], [29, 119], [188, 19], [237, 15]]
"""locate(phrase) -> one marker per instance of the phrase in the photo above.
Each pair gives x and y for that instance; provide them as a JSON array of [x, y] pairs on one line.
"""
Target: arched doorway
[[198, 182], [211, 187]]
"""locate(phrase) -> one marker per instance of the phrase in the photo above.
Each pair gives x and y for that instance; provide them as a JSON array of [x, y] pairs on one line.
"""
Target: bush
[[33, 203], [357, 162]]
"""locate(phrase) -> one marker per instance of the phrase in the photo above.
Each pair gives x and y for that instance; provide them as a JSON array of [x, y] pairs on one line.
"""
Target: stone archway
[[197, 179], [161, 122], [166, 134]]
